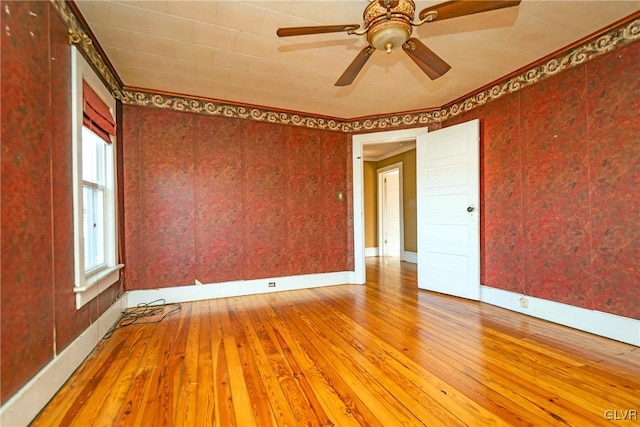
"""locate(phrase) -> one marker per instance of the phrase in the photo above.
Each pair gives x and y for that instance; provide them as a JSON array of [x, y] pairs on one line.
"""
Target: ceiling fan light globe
[[389, 36]]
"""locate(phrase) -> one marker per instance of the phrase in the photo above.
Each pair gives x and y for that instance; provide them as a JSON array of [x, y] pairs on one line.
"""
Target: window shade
[[96, 114]]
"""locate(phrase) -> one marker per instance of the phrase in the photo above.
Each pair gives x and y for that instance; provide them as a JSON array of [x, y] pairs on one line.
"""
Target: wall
[[370, 189], [39, 318], [219, 199], [408, 160], [560, 177]]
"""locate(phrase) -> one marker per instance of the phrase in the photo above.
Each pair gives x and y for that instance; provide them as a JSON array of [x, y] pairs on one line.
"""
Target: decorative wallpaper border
[[214, 108], [614, 39], [592, 49]]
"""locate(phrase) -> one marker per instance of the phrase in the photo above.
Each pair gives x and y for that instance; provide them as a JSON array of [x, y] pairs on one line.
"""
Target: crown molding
[[620, 34], [81, 35]]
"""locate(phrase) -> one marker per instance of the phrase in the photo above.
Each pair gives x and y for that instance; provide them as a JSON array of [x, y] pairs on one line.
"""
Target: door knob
[[470, 209]]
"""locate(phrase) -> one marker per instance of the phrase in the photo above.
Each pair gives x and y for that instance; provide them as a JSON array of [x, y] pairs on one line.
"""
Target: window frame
[[89, 284]]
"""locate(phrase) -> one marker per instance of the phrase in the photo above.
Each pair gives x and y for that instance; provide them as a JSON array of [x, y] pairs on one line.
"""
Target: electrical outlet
[[524, 302], [272, 284]]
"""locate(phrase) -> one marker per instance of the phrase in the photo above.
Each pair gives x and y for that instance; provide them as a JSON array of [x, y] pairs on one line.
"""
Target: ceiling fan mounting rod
[[396, 15]]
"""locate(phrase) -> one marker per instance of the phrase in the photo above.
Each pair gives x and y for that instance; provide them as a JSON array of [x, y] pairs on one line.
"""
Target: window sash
[[93, 157], [94, 228]]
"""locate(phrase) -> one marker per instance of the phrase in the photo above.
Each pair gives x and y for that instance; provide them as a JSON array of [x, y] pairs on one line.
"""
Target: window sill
[[96, 283]]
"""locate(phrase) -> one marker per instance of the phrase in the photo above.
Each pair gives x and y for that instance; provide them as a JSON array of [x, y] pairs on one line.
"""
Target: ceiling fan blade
[[354, 68], [303, 31], [425, 58], [453, 9]]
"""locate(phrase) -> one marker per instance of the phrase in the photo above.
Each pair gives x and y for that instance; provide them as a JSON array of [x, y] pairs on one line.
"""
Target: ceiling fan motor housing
[[388, 28]]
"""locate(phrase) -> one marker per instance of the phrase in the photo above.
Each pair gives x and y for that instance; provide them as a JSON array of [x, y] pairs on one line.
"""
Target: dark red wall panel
[[560, 173], [163, 220], [27, 259], [231, 199], [132, 196], [218, 199], [167, 199], [316, 218], [555, 186], [39, 318], [614, 161], [264, 177]]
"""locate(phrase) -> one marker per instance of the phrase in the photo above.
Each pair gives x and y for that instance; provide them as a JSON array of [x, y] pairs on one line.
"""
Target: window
[[94, 148]]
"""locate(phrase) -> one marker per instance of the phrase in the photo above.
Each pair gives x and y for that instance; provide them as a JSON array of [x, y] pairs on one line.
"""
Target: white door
[[448, 195], [390, 213]]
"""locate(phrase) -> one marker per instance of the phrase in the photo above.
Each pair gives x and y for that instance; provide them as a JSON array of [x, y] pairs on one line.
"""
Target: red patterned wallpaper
[[560, 177], [37, 206], [26, 198], [218, 199], [613, 129]]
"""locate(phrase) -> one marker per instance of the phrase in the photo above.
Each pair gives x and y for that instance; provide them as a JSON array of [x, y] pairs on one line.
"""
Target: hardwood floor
[[384, 354]]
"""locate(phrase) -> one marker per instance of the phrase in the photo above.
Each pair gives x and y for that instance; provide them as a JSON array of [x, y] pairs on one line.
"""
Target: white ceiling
[[379, 151], [228, 50]]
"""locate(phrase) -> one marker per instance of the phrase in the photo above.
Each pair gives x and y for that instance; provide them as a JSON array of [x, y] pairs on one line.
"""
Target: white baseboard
[[238, 288], [596, 322], [411, 257], [25, 405], [370, 252]]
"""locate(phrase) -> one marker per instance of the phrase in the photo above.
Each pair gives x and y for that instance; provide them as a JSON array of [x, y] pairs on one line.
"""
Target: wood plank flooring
[[383, 354]]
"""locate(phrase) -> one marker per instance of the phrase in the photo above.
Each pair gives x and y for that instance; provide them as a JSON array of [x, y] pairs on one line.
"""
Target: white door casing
[[359, 273], [448, 199]]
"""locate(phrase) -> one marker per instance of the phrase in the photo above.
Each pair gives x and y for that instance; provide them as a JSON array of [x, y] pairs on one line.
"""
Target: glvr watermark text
[[621, 414]]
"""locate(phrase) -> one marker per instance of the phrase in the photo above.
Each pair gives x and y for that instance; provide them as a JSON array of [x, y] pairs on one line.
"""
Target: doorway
[[390, 211], [403, 135], [443, 146]]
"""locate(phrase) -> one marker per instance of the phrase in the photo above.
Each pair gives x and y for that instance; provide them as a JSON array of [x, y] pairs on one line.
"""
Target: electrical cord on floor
[[144, 310]]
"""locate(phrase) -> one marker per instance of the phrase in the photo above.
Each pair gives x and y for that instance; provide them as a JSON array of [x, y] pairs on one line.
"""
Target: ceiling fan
[[388, 24]]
